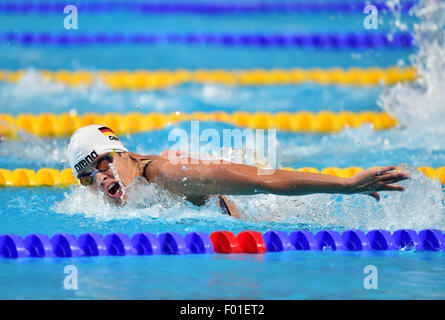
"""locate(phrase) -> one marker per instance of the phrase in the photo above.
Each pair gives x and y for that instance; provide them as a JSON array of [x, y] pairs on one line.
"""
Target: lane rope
[[160, 79], [200, 8], [63, 125], [65, 245], [23, 177], [315, 40]]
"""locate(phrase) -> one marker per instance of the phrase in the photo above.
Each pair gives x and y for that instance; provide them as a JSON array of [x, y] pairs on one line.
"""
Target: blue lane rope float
[[315, 40], [173, 243], [199, 8]]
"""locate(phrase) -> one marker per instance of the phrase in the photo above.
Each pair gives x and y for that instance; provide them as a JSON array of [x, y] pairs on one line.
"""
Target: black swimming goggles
[[102, 165]]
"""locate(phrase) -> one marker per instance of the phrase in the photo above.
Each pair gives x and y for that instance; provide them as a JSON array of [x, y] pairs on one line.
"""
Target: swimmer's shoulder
[[146, 163], [143, 158]]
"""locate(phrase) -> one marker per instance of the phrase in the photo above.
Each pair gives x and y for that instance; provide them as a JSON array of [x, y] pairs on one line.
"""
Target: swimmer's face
[[104, 180]]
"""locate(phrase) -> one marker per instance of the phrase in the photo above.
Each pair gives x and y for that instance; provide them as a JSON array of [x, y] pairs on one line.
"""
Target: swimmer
[[101, 162]]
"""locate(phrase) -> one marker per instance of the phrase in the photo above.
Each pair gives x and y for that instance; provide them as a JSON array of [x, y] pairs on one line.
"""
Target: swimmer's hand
[[371, 180]]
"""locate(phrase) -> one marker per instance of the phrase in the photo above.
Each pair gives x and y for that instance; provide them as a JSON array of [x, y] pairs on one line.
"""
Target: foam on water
[[420, 206], [37, 152], [419, 106], [145, 201], [34, 92]]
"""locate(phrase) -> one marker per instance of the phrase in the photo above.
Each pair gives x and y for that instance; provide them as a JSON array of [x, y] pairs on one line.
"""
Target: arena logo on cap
[[109, 133], [86, 161]]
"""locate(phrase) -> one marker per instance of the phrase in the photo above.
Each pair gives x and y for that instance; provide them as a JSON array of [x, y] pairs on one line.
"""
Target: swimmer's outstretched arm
[[204, 179]]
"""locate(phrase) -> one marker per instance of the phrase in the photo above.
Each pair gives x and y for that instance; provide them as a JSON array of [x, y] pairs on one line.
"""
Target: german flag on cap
[[106, 131]]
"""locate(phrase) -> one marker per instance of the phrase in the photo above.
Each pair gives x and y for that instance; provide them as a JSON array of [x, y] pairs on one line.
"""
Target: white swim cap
[[87, 143]]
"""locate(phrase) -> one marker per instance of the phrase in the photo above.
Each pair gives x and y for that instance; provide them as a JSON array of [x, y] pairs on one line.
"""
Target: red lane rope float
[[246, 242]]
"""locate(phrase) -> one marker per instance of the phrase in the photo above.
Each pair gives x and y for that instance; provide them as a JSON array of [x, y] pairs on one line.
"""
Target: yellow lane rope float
[[63, 125], [159, 79], [53, 177]]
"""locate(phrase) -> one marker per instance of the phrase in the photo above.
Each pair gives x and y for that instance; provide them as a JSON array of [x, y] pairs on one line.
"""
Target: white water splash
[[145, 201], [118, 178], [420, 206], [395, 8], [419, 106], [34, 92], [40, 151]]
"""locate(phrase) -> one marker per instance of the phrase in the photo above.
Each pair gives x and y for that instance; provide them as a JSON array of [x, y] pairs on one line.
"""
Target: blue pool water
[[290, 275]]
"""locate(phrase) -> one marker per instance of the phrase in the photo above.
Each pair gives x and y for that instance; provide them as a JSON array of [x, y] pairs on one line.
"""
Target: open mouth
[[114, 190]]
